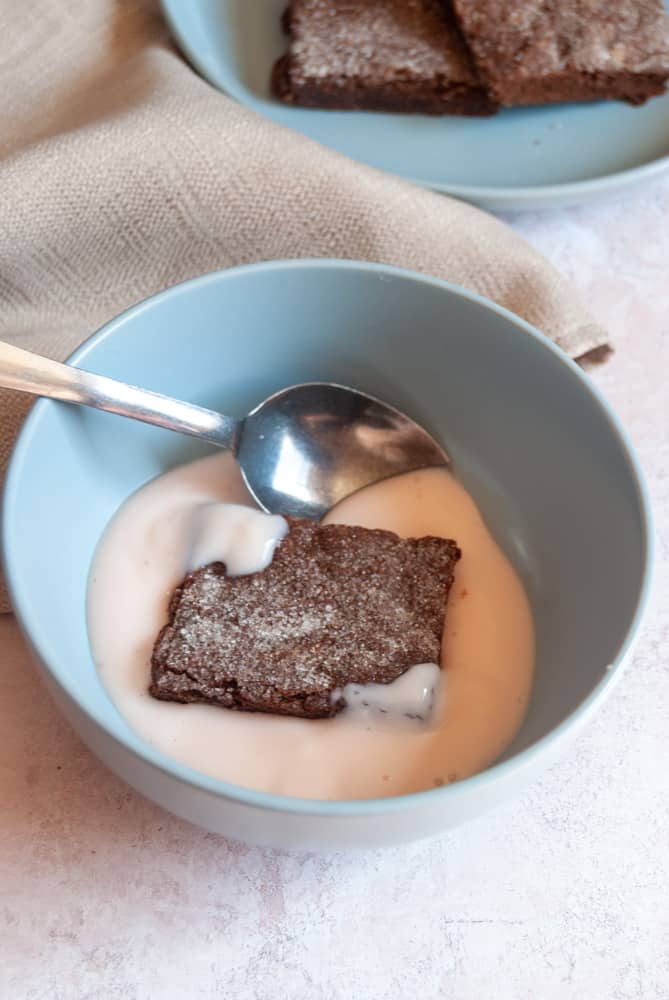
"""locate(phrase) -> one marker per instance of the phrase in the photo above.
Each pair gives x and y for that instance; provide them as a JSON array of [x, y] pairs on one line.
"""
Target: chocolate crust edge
[[404, 96], [563, 88]]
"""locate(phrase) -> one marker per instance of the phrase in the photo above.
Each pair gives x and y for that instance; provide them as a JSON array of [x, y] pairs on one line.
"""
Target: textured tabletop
[[560, 894]]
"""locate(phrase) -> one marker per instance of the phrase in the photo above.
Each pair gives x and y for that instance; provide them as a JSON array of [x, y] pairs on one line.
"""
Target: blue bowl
[[520, 158], [531, 439]]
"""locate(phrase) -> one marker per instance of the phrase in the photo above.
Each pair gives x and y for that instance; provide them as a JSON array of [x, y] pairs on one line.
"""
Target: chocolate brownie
[[379, 55], [541, 51], [337, 605]]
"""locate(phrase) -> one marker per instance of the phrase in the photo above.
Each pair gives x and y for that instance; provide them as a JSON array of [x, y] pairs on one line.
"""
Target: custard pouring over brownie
[[378, 55], [337, 605]]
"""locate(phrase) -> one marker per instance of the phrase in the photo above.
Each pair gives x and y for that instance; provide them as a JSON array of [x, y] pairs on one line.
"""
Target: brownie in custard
[[337, 605]]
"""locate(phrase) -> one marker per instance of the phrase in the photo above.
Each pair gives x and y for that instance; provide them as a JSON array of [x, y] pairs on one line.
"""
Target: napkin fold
[[123, 172]]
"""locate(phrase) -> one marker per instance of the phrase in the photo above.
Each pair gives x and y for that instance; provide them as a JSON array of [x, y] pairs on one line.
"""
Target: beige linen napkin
[[121, 172]]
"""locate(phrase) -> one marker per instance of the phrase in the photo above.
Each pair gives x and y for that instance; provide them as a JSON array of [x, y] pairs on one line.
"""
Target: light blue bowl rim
[[322, 807]]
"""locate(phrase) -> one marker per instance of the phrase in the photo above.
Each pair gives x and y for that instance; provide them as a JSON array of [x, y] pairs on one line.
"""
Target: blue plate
[[522, 158]]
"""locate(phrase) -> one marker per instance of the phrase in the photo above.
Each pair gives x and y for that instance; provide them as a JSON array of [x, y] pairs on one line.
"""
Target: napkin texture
[[123, 172]]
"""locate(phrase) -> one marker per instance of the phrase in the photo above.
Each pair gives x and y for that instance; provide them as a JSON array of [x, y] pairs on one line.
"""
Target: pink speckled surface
[[560, 894]]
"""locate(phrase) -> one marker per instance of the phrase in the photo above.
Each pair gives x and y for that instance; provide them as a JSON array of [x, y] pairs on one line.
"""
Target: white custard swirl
[[244, 538]]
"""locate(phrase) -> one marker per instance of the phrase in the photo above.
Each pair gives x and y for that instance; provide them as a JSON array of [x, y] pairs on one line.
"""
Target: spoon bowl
[[300, 451], [307, 447]]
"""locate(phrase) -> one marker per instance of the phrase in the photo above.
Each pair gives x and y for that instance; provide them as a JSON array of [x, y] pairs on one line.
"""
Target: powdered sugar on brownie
[[375, 38], [337, 605], [386, 55]]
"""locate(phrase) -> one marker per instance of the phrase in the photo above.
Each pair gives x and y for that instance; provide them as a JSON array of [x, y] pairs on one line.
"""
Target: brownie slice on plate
[[542, 51], [380, 55], [336, 605]]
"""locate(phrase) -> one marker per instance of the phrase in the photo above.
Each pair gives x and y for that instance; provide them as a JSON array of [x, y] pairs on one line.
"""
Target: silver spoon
[[300, 451]]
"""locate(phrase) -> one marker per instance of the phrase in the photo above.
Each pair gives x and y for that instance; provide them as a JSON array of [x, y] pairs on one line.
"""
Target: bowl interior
[[526, 434]]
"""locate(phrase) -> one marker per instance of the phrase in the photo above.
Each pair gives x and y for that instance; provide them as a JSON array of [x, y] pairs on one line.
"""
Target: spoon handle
[[29, 372]]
